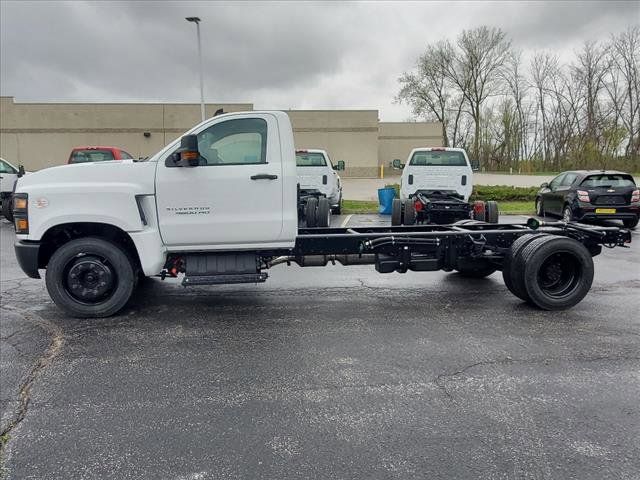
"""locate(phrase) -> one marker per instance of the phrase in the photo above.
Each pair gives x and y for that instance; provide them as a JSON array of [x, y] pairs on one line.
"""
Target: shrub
[[494, 192]]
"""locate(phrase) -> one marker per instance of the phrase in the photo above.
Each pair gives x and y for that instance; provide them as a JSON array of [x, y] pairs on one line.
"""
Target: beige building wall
[[349, 135], [39, 135], [397, 139]]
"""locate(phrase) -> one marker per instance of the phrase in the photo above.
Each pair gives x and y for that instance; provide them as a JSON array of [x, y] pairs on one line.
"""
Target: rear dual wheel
[[317, 212], [486, 211], [550, 272]]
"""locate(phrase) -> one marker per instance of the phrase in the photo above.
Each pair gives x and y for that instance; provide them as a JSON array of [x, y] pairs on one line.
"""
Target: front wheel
[[90, 278], [539, 208]]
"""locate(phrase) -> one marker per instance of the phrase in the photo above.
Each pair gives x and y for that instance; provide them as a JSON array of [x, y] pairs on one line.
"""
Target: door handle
[[263, 176]]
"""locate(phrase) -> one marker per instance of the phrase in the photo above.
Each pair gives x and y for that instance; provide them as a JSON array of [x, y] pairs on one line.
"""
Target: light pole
[[196, 20]]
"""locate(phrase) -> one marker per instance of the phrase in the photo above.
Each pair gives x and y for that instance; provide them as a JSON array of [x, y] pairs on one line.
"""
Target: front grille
[[610, 200]]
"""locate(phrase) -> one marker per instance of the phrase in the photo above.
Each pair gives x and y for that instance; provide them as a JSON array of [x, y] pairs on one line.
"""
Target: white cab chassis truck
[[218, 206], [319, 187], [8, 177], [435, 188]]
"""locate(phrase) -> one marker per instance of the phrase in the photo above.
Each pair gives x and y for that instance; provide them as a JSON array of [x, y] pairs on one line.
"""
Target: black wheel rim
[[559, 274], [90, 279]]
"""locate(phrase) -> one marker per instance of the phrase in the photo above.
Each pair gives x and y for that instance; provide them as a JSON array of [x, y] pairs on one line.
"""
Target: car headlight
[[21, 212]]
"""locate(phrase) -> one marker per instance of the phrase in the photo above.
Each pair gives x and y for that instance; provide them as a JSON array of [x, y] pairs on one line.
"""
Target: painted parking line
[[345, 222]]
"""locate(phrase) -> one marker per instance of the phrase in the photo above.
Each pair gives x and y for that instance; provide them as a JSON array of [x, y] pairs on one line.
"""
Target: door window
[[557, 181], [241, 141], [6, 168], [568, 179]]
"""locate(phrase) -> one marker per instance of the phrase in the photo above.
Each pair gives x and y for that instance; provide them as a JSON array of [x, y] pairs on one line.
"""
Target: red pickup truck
[[97, 154]]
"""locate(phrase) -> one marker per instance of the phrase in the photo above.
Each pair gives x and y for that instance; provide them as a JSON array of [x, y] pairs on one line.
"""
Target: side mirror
[[340, 165], [544, 185], [187, 155], [397, 164], [20, 171], [475, 165]]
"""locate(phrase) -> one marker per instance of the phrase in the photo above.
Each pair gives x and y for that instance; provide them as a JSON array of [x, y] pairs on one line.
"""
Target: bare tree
[[475, 70], [624, 90], [427, 89]]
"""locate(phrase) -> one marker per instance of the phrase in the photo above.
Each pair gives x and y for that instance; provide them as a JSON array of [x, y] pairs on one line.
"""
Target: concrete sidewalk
[[367, 188]]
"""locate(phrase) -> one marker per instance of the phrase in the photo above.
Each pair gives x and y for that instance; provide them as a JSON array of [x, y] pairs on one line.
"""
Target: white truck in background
[[319, 187], [8, 177], [436, 185], [219, 206]]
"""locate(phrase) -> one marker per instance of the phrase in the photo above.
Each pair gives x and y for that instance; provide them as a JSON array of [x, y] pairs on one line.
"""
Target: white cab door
[[235, 197]]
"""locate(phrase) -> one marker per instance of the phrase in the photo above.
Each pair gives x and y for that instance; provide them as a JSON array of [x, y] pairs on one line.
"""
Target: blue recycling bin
[[385, 199]]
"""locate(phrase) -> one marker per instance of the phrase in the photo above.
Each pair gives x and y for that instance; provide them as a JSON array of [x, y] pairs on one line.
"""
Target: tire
[[479, 212], [311, 212], [323, 218], [567, 214], [631, 224], [338, 210], [558, 273], [396, 212], [539, 207], [87, 257], [491, 211], [7, 208], [509, 269], [409, 212], [481, 269]]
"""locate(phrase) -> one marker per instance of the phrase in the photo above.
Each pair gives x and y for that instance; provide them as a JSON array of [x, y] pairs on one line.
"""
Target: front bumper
[[27, 254]]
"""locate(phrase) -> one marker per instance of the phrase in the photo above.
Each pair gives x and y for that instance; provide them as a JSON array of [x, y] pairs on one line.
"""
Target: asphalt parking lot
[[334, 372]]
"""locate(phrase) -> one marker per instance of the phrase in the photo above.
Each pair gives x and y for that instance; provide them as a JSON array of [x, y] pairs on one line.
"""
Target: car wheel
[[567, 214], [310, 212], [324, 212], [631, 223], [491, 211], [539, 207], [396, 212], [90, 278], [7, 208], [409, 212]]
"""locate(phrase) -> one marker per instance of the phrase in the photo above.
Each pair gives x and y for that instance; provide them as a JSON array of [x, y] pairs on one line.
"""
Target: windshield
[[438, 158], [84, 156], [307, 159], [608, 180]]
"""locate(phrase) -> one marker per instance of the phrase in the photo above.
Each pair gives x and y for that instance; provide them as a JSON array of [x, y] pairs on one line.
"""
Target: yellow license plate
[[605, 210]]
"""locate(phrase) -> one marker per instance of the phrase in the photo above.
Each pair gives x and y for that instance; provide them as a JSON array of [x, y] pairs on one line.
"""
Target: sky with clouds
[[276, 55]]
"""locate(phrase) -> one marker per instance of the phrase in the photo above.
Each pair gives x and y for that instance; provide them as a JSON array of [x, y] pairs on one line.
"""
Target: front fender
[[53, 205]]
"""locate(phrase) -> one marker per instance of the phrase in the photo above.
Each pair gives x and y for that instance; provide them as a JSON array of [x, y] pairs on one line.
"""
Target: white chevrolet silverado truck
[[218, 206]]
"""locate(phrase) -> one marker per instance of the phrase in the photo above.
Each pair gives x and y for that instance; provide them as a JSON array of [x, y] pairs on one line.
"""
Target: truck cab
[[317, 176], [442, 169]]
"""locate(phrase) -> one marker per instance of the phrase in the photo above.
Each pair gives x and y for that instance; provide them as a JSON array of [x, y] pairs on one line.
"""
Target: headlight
[[21, 213]]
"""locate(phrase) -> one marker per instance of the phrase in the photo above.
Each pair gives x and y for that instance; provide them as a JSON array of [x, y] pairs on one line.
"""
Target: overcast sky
[[276, 55]]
